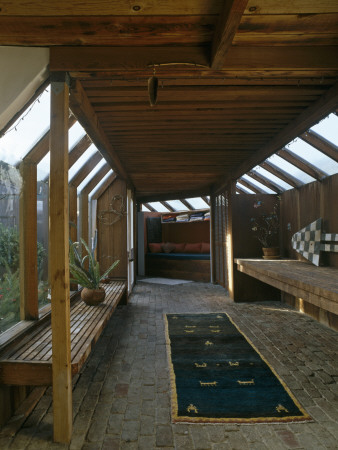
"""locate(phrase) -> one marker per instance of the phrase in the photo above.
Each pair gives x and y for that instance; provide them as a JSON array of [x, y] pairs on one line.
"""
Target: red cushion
[[168, 247], [179, 248], [155, 247], [193, 248], [205, 247]]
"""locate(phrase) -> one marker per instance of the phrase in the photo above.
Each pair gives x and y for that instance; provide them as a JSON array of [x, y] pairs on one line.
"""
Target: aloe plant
[[89, 278]]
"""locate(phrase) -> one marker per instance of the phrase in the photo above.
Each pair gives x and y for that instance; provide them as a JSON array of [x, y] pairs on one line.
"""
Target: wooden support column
[[229, 241], [73, 212], [29, 308], [212, 239], [58, 257], [84, 216]]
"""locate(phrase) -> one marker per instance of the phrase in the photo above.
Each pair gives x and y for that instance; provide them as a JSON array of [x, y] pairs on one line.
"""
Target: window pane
[[81, 161], [197, 203], [76, 132], [159, 207], [273, 178], [291, 169], [258, 184], [10, 188], [328, 128], [177, 205], [42, 242]]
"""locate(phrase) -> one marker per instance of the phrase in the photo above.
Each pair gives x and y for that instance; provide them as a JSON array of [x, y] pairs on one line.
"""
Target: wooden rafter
[[78, 149], [251, 186], [206, 200], [84, 112], [240, 191], [302, 164], [110, 179], [317, 111], [167, 205], [96, 179], [265, 181], [41, 148], [86, 169], [282, 174], [228, 22], [147, 205], [171, 196], [187, 204], [321, 144]]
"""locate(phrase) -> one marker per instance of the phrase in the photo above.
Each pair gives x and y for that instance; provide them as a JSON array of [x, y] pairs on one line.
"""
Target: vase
[[93, 297], [271, 253]]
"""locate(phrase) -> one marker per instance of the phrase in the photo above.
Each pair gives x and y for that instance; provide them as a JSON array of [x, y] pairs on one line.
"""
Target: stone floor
[[122, 397]]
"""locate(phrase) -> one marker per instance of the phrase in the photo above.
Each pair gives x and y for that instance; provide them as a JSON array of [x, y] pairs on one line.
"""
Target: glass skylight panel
[[258, 184], [159, 207], [104, 179], [177, 205], [92, 174], [81, 161], [273, 178], [75, 133], [43, 168], [197, 203], [145, 209], [328, 128], [314, 156], [291, 169], [26, 131], [244, 188]]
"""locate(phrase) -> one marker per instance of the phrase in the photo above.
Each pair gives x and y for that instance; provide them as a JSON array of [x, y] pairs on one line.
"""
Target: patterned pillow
[[155, 247], [168, 247]]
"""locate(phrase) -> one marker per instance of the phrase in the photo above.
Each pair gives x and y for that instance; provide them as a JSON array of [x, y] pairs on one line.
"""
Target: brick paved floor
[[122, 398]]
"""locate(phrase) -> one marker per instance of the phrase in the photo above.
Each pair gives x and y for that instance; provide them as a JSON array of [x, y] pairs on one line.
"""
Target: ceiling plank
[[86, 169], [282, 174], [265, 181], [240, 58], [317, 111], [84, 112], [302, 164], [228, 23], [321, 144]]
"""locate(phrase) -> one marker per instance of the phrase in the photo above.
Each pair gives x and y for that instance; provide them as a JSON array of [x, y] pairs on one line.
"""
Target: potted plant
[[90, 279], [266, 227]]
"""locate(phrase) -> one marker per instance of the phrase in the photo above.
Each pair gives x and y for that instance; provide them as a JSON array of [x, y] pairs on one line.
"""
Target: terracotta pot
[[271, 253], [93, 297]]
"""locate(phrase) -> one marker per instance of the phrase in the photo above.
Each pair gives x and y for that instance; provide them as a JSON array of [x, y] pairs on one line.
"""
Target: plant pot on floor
[[93, 297], [271, 253]]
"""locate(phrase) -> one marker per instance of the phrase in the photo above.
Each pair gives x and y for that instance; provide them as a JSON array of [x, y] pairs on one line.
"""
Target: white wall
[[23, 70]]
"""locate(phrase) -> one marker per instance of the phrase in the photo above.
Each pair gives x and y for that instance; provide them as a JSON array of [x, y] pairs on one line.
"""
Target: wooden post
[[212, 239], [29, 308], [84, 216], [229, 241], [73, 212], [58, 257]]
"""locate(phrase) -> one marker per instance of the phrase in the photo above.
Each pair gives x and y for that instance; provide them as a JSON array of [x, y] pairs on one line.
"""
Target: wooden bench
[[29, 361], [316, 285]]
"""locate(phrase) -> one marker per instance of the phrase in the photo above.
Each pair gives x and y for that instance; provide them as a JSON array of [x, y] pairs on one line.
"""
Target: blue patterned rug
[[217, 375]]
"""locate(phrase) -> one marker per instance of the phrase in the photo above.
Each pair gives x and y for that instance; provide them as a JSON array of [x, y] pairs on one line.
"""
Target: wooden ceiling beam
[[282, 174], [302, 164], [265, 181], [239, 190], [320, 143], [99, 191], [187, 204], [239, 58], [86, 169], [78, 149], [251, 186], [317, 111], [85, 114], [226, 28]]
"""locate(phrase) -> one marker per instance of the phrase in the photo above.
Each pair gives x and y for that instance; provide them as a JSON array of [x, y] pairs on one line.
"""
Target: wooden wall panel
[[112, 239], [245, 245], [300, 207], [186, 232]]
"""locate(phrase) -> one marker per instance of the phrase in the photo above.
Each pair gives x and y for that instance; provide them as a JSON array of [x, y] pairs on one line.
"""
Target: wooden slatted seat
[[316, 285], [29, 361]]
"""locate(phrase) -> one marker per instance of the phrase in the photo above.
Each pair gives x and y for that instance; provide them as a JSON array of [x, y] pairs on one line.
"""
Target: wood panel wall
[[191, 232], [112, 239], [300, 207]]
